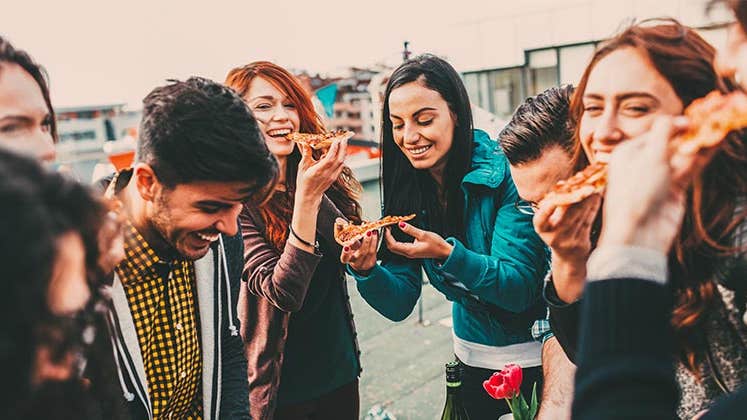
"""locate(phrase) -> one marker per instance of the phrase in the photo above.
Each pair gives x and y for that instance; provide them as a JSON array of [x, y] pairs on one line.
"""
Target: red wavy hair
[[685, 60], [277, 212]]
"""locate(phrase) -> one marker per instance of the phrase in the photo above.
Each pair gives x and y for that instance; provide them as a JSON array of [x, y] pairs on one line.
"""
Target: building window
[[506, 91], [542, 71], [573, 62]]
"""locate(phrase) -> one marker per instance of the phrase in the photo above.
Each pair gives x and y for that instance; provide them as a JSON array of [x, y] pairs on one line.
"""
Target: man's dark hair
[[200, 130], [539, 123], [10, 54]]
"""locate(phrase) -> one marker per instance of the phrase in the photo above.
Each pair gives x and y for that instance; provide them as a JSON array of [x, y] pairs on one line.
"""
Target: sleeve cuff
[[460, 265], [551, 296], [360, 277], [609, 262]]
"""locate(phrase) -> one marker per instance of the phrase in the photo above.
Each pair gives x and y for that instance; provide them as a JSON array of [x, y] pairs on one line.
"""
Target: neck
[[282, 164], [437, 173], [135, 209]]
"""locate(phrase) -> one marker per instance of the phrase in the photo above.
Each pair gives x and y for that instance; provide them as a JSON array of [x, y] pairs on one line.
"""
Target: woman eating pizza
[[650, 70], [295, 316], [474, 245]]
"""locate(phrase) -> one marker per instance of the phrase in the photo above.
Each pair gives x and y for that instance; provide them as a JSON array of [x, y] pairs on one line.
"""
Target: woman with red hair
[[654, 70], [303, 360]]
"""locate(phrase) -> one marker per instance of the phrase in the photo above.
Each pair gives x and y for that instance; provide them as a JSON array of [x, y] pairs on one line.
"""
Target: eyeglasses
[[526, 207]]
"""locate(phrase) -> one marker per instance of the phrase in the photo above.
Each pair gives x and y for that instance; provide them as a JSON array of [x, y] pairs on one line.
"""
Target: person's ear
[[146, 181]]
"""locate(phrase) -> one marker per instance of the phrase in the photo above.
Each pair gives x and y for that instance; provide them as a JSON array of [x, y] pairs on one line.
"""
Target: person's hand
[[567, 231], [647, 187], [426, 244], [361, 256], [316, 176]]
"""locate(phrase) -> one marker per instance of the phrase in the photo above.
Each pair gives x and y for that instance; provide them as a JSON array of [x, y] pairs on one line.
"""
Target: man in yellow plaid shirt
[[173, 326]]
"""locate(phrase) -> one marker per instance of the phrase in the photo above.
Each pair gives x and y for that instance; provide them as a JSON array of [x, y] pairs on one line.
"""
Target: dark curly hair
[[200, 130], [10, 54], [38, 207]]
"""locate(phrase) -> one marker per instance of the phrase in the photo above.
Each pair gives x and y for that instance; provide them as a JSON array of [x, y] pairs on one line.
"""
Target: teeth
[[419, 150], [279, 132], [209, 238]]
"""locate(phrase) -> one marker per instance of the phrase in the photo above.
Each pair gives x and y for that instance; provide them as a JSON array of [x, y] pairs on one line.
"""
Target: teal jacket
[[495, 279]]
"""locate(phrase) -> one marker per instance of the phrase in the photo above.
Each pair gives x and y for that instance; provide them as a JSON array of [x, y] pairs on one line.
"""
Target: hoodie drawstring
[[129, 396], [224, 260]]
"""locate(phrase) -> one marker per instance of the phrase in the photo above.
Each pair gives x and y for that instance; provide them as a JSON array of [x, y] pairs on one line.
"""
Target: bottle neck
[[453, 388]]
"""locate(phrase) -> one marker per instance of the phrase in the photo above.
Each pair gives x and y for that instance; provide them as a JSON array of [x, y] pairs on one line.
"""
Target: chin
[[193, 253]]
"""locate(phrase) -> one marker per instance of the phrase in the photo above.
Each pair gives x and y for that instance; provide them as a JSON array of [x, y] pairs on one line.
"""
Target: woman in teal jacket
[[456, 180]]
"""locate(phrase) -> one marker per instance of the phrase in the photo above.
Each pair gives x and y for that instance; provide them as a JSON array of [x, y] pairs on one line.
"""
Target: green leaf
[[534, 405]]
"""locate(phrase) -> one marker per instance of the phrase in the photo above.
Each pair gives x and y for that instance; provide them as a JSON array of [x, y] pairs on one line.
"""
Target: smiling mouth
[[279, 132], [418, 151], [208, 238]]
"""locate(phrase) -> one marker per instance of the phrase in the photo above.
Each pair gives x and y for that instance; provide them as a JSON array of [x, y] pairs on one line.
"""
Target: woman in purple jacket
[[296, 318]]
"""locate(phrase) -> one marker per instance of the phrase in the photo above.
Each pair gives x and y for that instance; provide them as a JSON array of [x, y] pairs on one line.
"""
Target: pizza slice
[[320, 141], [711, 118], [347, 233]]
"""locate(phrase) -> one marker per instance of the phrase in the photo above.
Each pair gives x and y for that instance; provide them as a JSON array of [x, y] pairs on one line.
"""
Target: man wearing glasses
[[538, 143]]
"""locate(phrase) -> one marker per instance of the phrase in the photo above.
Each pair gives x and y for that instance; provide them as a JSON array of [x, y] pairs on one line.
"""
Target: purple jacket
[[274, 286]]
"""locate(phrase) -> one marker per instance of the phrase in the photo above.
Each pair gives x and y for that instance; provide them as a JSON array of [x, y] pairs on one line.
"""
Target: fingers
[[411, 230]]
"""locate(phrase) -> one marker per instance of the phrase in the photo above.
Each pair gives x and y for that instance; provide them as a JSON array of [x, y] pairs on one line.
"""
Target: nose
[[411, 134], [228, 223], [607, 131], [46, 150], [280, 114]]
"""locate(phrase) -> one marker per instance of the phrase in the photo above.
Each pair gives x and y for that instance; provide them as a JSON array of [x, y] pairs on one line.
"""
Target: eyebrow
[[268, 97], [21, 118], [217, 203], [624, 96], [416, 113]]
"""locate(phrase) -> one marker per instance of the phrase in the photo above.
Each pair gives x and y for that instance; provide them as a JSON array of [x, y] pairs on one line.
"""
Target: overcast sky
[[103, 51]]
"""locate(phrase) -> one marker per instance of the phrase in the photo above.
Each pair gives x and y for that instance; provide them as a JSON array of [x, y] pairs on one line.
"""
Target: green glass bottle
[[454, 408]]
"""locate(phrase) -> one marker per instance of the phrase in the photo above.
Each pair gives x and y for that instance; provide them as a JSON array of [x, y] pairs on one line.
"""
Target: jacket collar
[[488, 165]]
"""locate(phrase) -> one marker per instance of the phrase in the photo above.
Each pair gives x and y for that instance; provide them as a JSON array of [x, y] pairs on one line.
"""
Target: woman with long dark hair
[[27, 119], [300, 338], [474, 245], [650, 70]]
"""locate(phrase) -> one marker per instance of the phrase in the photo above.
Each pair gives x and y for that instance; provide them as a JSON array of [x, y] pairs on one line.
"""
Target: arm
[[564, 320], [511, 276], [392, 288], [284, 279], [281, 279], [557, 388], [625, 366], [234, 399]]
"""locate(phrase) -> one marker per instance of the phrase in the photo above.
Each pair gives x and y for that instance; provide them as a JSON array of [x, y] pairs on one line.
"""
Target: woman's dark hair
[[38, 207], [685, 60], [9, 54], [277, 212], [407, 190]]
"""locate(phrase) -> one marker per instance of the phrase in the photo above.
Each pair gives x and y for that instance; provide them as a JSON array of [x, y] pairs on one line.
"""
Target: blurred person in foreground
[[49, 256], [651, 69], [199, 158]]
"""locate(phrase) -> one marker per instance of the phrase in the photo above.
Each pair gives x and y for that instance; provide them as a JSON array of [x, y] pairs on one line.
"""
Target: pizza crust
[[320, 141], [347, 233]]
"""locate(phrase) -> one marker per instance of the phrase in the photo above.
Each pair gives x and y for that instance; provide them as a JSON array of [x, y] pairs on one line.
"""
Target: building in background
[[530, 47]]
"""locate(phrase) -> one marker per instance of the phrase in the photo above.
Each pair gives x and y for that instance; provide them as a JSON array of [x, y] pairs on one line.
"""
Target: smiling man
[[200, 157]]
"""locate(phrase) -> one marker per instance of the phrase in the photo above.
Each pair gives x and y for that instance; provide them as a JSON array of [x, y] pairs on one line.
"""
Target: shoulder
[[489, 164]]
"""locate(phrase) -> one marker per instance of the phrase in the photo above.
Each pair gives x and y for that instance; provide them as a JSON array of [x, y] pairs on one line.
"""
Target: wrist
[[445, 250], [641, 238], [569, 278]]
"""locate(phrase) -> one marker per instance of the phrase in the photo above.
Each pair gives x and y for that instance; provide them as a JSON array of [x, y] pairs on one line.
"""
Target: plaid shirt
[[162, 299]]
